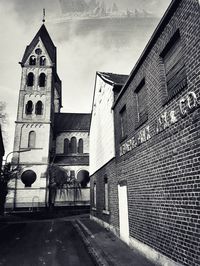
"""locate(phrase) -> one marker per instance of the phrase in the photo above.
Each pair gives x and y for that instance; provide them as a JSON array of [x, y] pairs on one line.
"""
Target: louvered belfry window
[[173, 60], [39, 108]]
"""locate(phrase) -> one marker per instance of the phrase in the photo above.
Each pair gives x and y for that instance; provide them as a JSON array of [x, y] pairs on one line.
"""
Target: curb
[[88, 238]]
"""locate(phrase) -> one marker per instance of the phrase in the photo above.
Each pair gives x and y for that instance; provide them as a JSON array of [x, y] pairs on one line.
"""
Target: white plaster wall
[[41, 151], [25, 196], [79, 135], [102, 126]]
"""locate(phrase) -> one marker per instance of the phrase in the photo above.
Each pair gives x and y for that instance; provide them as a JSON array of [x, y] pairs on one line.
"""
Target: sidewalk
[[105, 248]]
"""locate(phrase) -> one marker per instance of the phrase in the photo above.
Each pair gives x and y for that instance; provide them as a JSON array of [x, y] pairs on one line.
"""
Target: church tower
[[39, 99]]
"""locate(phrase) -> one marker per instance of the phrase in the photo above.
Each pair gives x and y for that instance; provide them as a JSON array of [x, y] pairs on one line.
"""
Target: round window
[[28, 178], [38, 51]]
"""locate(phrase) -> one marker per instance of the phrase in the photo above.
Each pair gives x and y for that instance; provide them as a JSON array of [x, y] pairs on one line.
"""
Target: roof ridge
[[100, 72]]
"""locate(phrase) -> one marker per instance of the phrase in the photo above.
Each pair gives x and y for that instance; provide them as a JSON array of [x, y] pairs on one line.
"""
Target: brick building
[[102, 150], [44, 135], [154, 185]]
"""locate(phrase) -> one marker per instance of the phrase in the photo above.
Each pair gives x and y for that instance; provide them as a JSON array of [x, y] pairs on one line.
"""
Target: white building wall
[[28, 196], [39, 154], [102, 126]]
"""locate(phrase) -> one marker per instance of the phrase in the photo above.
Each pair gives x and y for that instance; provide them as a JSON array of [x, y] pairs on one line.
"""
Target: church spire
[[43, 20]]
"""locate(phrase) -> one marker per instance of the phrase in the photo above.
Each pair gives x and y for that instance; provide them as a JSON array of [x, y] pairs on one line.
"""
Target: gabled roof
[[2, 151], [112, 78], [48, 43], [71, 121]]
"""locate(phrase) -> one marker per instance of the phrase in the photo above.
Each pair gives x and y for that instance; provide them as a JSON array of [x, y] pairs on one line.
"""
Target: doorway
[[123, 212]]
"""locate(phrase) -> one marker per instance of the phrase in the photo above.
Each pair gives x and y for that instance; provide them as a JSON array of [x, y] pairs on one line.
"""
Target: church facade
[[44, 135]]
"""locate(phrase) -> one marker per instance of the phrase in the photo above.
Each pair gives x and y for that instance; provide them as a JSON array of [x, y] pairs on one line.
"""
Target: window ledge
[[123, 138], [141, 121], [105, 212], [173, 94]]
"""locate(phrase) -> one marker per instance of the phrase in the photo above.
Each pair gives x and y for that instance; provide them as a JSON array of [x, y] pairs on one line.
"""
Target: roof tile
[[71, 121]]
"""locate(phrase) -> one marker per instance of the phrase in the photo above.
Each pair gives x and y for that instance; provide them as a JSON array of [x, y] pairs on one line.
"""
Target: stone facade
[[157, 159], [37, 141]]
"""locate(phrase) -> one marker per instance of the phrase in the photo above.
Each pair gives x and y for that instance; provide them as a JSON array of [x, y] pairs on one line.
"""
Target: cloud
[[83, 47]]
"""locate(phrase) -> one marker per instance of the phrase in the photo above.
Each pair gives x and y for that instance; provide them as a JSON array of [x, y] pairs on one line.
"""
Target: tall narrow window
[[66, 146], [106, 193], [29, 107], [30, 79], [42, 80], [42, 61], [31, 139], [80, 146], [32, 60], [173, 60], [73, 145], [141, 95], [123, 122], [39, 108], [95, 195]]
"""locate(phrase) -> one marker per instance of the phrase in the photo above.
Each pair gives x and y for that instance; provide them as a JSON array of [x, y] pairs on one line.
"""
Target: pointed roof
[[47, 41]]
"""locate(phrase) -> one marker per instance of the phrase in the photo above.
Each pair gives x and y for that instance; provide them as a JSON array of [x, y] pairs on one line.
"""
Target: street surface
[[51, 243]]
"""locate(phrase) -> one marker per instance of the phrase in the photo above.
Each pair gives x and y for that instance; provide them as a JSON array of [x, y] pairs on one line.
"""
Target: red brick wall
[[163, 173]]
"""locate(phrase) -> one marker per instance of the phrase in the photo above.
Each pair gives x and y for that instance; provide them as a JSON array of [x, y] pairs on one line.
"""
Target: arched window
[[39, 108], [42, 80], [31, 139], [42, 61], [80, 146], [83, 178], [73, 145], [30, 79], [29, 107], [66, 146], [32, 60]]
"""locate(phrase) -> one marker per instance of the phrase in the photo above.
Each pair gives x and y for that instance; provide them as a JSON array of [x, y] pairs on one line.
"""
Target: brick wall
[[162, 165], [107, 170]]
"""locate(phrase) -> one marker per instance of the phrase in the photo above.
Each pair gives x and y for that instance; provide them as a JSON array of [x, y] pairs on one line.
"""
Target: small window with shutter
[[141, 100], [173, 60], [123, 123]]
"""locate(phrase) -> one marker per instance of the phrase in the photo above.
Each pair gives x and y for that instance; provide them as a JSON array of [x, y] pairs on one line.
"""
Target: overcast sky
[[82, 49]]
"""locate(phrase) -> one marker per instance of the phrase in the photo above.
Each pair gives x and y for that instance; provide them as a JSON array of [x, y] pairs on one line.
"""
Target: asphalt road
[[51, 243]]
